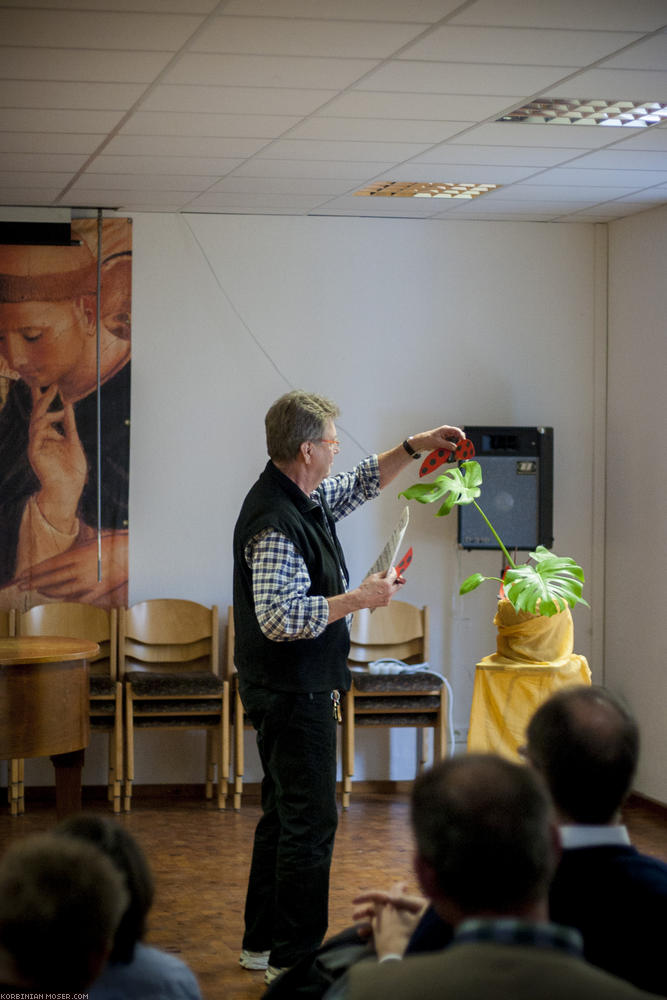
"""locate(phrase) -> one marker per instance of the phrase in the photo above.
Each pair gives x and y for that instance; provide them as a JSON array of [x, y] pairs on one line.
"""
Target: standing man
[[291, 604]]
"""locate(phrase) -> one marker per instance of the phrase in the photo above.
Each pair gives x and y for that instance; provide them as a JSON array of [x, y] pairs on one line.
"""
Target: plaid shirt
[[509, 930], [280, 578]]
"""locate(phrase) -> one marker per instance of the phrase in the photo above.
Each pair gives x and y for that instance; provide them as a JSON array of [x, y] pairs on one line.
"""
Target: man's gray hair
[[296, 417]]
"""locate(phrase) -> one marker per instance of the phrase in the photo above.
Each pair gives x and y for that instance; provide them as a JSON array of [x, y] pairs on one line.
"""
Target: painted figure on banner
[[51, 505]]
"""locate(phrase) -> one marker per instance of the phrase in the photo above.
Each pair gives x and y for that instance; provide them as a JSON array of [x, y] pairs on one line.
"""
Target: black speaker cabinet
[[517, 488]]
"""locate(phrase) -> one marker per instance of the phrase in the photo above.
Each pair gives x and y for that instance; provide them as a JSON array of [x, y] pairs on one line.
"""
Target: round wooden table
[[44, 707]]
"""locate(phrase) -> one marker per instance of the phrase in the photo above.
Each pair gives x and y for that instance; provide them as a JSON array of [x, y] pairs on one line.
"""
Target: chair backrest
[[399, 631], [7, 623], [77, 621], [168, 635]]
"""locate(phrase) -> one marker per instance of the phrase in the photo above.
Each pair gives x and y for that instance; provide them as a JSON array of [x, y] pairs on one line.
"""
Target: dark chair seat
[[158, 685]]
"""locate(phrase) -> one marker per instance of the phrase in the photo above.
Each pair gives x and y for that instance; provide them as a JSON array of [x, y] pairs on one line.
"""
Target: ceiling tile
[[360, 172], [421, 107], [236, 100], [179, 145], [81, 64], [624, 159], [312, 186], [153, 165], [421, 11], [611, 15], [559, 136], [240, 126], [53, 163], [620, 84], [528, 156], [602, 178], [375, 130], [144, 182], [651, 53], [96, 30], [465, 173], [35, 179], [34, 120], [48, 142], [49, 94], [304, 37], [267, 71], [305, 149], [462, 78], [517, 45]]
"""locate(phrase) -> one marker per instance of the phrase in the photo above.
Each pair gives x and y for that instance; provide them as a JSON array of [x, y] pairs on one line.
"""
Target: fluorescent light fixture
[[576, 111], [425, 189]]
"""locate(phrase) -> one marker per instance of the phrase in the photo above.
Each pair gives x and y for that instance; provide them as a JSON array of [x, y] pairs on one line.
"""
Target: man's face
[[43, 341], [325, 450]]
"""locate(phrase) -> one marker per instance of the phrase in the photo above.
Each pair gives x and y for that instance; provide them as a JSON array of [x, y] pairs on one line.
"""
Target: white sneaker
[[254, 959], [272, 972]]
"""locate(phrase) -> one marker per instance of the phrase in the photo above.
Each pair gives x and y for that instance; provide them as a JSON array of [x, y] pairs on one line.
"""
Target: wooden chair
[[169, 659], [417, 699], [239, 720], [86, 621], [14, 767]]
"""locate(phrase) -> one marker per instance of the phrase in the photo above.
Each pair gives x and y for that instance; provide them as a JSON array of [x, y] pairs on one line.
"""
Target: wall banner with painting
[[61, 524]]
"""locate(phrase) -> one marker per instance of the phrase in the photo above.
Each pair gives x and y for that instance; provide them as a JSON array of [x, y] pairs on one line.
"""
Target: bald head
[[483, 825]]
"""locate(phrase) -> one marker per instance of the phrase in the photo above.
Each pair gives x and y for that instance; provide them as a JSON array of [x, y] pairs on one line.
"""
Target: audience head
[[296, 417], [60, 903], [485, 837], [585, 744], [129, 859]]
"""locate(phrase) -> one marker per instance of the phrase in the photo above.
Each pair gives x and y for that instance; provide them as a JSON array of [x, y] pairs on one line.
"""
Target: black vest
[[318, 664]]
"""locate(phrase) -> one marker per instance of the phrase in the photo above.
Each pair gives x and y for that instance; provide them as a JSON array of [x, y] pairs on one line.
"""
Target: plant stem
[[510, 561]]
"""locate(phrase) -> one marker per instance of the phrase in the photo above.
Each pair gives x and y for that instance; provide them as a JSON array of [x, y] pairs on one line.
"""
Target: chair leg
[[129, 750], [14, 779], [348, 747], [117, 748], [239, 762], [223, 759], [210, 764]]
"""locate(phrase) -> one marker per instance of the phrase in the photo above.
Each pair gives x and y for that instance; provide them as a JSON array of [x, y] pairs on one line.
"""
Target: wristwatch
[[411, 451]]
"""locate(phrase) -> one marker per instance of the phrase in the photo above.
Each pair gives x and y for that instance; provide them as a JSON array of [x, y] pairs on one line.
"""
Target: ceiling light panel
[[424, 189], [580, 111]]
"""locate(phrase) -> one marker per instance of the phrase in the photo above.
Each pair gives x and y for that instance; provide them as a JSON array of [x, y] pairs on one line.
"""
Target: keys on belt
[[337, 714]]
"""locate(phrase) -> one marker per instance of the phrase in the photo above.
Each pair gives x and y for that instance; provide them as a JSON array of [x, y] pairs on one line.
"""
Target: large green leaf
[[460, 485], [547, 586]]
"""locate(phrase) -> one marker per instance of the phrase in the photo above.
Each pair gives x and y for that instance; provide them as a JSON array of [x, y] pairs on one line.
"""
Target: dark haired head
[[585, 744], [128, 857], [483, 825], [60, 903]]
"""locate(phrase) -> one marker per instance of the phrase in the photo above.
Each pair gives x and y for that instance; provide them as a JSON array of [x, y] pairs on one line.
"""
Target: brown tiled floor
[[200, 858]]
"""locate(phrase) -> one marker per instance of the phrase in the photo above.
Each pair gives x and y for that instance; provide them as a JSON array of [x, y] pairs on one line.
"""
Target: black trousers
[[287, 902]]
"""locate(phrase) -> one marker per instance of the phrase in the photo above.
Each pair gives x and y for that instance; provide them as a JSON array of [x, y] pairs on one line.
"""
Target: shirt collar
[[511, 930], [575, 835]]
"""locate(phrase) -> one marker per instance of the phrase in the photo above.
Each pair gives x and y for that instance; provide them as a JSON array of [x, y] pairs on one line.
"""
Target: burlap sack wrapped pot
[[534, 657]]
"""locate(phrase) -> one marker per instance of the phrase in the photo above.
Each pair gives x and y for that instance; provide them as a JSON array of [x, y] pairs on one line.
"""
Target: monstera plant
[[544, 585]]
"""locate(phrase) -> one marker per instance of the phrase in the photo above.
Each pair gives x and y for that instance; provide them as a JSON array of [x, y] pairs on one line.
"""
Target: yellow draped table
[[533, 659]]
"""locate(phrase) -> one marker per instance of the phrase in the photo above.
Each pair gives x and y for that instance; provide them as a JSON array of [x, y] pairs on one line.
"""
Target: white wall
[[406, 324], [637, 484]]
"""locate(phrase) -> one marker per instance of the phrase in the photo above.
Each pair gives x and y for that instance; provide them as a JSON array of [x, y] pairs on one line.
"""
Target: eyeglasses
[[329, 441]]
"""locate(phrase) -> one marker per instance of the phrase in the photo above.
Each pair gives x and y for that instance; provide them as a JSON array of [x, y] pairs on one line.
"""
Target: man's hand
[[390, 916], [391, 462], [377, 590]]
